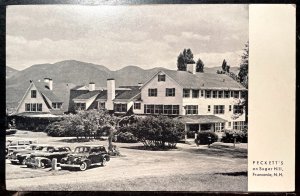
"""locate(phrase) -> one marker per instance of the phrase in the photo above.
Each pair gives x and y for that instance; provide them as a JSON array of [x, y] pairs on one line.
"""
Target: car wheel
[[23, 162], [83, 166], [42, 165], [103, 162], [13, 162]]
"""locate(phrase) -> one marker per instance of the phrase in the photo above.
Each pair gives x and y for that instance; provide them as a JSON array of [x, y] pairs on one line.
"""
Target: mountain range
[[67, 74]]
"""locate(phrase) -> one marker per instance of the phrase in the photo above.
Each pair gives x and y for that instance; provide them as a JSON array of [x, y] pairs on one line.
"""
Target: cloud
[[117, 36], [215, 59]]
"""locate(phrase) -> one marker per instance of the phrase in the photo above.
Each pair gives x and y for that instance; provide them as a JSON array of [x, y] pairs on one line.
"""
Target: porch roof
[[200, 119]]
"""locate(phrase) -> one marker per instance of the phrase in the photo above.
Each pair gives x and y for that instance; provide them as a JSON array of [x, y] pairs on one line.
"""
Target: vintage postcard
[[157, 97]]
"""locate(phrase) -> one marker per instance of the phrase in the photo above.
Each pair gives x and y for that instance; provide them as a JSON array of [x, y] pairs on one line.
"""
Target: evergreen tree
[[243, 74], [199, 66], [185, 57], [224, 65], [181, 65]]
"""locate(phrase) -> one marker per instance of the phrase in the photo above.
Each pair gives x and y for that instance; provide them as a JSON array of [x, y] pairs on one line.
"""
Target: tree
[[199, 66], [184, 58], [243, 73], [181, 63], [227, 69], [224, 65], [189, 57]]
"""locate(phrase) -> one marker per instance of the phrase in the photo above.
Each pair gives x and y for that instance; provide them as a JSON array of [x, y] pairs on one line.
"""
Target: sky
[[117, 36]]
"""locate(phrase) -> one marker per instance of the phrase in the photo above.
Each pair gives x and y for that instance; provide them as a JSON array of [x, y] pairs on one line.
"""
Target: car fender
[[45, 160]]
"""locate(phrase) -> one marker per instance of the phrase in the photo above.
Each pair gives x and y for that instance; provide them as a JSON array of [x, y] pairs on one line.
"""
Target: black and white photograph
[[127, 97]]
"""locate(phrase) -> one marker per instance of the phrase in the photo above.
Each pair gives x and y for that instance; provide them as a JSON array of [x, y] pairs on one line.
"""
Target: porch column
[[199, 127], [212, 127], [185, 132]]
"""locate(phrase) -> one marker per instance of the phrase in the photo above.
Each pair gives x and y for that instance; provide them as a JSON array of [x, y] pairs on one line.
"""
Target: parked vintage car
[[43, 158], [85, 156], [11, 131], [12, 145], [19, 156]]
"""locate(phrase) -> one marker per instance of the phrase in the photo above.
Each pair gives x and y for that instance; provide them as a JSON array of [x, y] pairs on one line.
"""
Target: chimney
[[111, 93], [50, 84], [190, 67], [91, 86], [46, 80]]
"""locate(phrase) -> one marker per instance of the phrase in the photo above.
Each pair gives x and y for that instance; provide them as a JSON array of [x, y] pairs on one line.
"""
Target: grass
[[192, 182]]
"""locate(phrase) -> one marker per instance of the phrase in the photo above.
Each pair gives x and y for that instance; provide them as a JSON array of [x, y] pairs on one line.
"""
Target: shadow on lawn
[[233, 174], [149, 148], [220, 150], [75, 140]]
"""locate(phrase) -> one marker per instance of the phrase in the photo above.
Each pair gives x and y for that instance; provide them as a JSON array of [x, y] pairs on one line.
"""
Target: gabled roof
[[125, 93], [43, 88], [202, 80], [88, 95]]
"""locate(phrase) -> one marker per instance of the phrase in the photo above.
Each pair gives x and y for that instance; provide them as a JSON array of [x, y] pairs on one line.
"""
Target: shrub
[[202, 137], [126, 137], [158, 132], [241, 136]]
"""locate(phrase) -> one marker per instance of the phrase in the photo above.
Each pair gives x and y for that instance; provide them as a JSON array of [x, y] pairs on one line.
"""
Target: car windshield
[[47, 149], [40, 147], [82, 149]]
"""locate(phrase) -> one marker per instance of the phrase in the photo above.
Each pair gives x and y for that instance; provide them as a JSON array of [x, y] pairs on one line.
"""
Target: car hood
[[22, 151], [77, 155]]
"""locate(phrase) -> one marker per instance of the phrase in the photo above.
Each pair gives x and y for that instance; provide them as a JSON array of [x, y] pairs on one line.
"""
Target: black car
[[19, 156], [85, 156], [43, 158]]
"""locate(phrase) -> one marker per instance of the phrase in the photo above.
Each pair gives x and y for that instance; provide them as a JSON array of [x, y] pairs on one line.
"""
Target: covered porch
[[197, 123]]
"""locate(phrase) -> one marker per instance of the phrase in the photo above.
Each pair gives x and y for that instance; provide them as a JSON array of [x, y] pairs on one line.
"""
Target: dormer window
[[33, 93], [161, 78]]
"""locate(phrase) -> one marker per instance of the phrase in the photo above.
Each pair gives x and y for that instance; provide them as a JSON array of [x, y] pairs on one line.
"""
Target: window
[[220, 94], [158, 109], [207, 94], [208, 108], [161, 78], [191, 109], [33, 93], [39, 107], [137, 106], [170, 92], [161, 109], [195, 93], [237, 109], [226, 94], [101, 105], [219, 109], [148, 109], [215, 94], [229, 124], [80, 106], [243, 94], [33, 107], [229, 108], [239, 125], [186, 92], [202, 93], [219, 127], [120, 107], [152, 92], [27, 106], [236, 94], [56, 105]]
